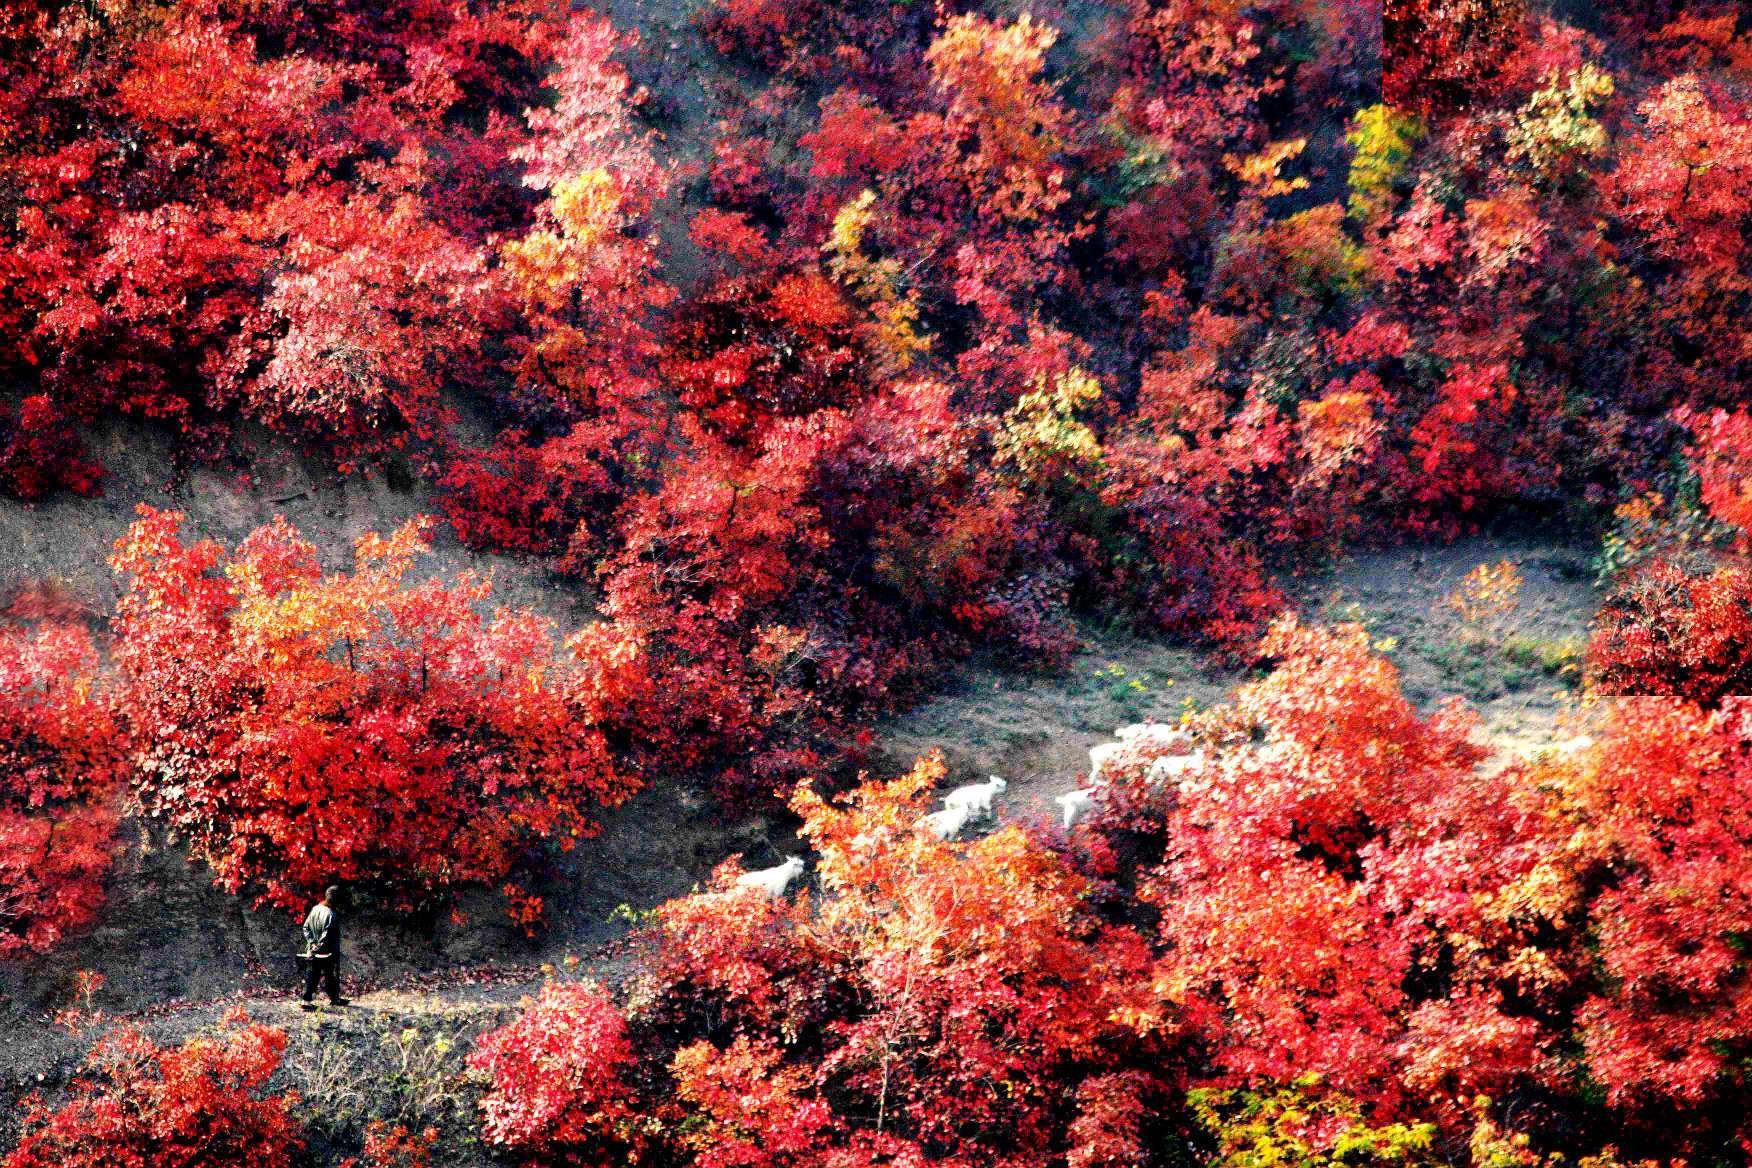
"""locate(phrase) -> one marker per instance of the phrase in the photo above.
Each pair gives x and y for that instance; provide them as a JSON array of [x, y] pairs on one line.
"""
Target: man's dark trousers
[[328, 969]]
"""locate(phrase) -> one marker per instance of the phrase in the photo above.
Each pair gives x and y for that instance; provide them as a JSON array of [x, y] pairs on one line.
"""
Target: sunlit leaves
[[556, 1076], [1661, 806], [1382, 141], [137, 1103], [298, 727], [1330, 848]]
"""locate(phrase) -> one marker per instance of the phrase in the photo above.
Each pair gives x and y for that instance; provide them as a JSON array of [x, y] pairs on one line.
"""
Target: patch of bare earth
[[1518, 669]]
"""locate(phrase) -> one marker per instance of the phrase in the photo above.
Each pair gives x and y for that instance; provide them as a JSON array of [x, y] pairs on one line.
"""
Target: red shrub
[[753, 350], [529, 499], [394, 1146], [1441, 53], [205, 1102], [1186, 572], [41, 453], [61, 768], [557, 1078], [1669, 630], [1457, 444], [1722, 460], [1662, 811], [300, 729], [1327, 854]]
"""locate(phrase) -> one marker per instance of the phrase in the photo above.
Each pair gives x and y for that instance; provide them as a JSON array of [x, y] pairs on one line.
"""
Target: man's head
[[331, 895]]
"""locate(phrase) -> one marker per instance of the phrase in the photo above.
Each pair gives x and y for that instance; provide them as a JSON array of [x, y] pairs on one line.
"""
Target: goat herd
[[1174, 758]]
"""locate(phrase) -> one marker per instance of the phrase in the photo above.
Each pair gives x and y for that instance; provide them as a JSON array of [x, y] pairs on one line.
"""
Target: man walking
[[322, 945]]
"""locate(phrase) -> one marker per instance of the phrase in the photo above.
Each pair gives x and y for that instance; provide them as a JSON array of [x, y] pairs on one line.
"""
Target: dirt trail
[[1518, 673], [1036, 729], [166, 935], [395, 1052]]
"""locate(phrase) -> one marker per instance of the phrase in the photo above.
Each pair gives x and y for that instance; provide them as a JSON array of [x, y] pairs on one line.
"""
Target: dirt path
[[1518, 673], [394, 1053], [1034, 729]]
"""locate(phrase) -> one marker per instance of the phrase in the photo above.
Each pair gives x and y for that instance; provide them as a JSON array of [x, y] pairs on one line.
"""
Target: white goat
[[773, 881], [1100, 755], [1173, 767], [975, 797], [1076, 804], [1166, 736], [947, 823]]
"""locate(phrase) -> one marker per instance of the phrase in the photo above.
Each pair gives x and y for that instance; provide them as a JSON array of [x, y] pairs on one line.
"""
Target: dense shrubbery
[[1327, 931], [1329, 928], [297, 728], [138, 1104], [557, 1077], [988, 325], [1675, 630], [957, 1004], [993, 325], [61, 770]]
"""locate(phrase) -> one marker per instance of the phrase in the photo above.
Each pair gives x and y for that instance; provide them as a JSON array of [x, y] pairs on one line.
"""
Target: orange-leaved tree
[[299, 728]]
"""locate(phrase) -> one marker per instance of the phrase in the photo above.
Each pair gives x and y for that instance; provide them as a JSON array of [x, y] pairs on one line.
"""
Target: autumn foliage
[[1331, 926], [204, 1102], [1664, 826], [61, 773], [947, 1004], [898, 334], [983, 322], [297, 727], [557, 1076], [1675, 629]]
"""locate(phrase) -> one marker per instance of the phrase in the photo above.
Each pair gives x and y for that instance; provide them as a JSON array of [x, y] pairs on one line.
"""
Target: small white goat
[[1100, 755], [947, 823], [1166, 736], [1076, 804], [1173, 767], [773, 881], [975, 797]]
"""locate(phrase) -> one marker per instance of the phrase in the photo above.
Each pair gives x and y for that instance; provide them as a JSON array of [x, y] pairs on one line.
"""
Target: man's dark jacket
[[322, 932]]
